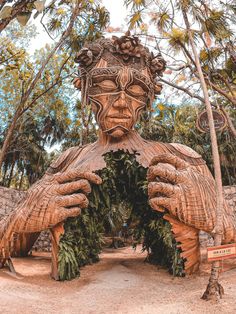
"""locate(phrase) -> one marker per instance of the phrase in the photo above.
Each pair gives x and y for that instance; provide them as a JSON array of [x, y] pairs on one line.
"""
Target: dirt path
[[121, 283]]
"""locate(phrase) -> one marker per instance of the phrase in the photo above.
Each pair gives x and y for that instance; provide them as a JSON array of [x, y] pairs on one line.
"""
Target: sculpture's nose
[[120, 103]]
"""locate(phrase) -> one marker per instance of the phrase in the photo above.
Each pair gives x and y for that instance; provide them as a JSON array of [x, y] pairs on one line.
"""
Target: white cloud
[[117, 11]]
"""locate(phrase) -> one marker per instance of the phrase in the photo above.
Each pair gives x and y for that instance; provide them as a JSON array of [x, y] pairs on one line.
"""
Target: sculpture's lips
[[118, 116]]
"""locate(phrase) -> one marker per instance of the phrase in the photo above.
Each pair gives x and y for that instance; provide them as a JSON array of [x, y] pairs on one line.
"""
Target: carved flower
[[158, 65], [84, 57], [127, 46]]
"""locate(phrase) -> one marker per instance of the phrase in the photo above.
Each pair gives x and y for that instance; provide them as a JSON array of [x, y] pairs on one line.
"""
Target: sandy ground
[[120, 283]]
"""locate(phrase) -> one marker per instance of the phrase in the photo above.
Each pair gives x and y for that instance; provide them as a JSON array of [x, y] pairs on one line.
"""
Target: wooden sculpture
[[119, 78]]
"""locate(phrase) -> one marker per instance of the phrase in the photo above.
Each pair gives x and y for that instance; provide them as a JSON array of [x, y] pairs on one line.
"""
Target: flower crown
[[125, 50]]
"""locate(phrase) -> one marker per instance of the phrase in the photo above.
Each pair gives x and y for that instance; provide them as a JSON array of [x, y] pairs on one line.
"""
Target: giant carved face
[[118, 94]]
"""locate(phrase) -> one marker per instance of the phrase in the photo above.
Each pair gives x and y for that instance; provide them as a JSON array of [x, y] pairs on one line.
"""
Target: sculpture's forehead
[[122, 74]]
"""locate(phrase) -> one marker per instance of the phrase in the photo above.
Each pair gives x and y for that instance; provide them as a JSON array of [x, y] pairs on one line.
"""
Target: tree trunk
[[20, 110], [214, 289], [229, 121], [9, 135], [11, 174], [4, 176]]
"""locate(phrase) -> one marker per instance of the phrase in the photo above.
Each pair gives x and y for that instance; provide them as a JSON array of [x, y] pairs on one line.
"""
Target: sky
[[117, 11]]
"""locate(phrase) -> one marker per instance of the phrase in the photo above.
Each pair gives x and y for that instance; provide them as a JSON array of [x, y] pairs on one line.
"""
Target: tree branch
[[182, 89], [58, 80], [57, 46], [45, 92], [41, 21], [182, 67], [229, 121], [17, 8], [221, 91], [2, 62], [188, 53], [227, 84]]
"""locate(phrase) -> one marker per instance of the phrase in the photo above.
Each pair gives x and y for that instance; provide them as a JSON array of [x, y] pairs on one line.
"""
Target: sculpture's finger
[[77, 174], [166, 189], [72, 200], [68, 212], [175, 161], [160, 203], [75, 186], [163, 172]]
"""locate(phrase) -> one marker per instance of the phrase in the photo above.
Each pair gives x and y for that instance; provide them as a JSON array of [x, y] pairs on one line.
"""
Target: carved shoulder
[[186, 150], [64, 160], [186, 153], [192, 157]]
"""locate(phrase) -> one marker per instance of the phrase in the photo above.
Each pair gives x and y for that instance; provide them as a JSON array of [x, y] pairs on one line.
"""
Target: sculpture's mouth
[[117, 127], [118, 116], [118, 119]]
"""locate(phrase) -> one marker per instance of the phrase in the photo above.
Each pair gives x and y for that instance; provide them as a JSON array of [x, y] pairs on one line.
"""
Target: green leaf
[[135, 19]]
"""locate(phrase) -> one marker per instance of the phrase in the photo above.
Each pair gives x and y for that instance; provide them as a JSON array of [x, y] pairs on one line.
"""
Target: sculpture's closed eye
[[136, 90], [107, 85]]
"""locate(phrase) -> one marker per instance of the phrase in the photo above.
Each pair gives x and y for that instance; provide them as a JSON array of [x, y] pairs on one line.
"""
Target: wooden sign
[[216, 253], [219, 121]]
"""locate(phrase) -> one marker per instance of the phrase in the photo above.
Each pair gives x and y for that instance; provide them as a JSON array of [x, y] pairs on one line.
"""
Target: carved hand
[[183, 191], [51, 200]]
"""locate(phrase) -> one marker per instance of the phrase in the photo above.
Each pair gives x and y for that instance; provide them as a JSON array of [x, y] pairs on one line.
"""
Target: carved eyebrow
[[141, 78], [101, 78], [109, 71]]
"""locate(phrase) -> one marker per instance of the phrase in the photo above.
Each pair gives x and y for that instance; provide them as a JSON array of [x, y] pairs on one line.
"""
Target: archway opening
[[122, 197]]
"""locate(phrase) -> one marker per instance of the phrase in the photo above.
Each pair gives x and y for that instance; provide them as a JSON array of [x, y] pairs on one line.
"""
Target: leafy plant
[[124, 184]]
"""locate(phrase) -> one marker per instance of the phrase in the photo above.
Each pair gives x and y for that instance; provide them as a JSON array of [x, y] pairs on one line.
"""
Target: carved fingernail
[[151, 202], [99, 180]]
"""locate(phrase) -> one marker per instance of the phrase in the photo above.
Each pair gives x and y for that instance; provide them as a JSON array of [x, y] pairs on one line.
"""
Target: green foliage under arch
[[124, 180]]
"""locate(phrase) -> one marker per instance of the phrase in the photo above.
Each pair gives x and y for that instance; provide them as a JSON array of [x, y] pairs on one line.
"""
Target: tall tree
[[73, 31], [213, 31], [204, 23], [214, 288], [41, 126]]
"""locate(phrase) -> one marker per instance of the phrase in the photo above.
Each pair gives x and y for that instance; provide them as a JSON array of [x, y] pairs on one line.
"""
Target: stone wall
[[43, 243], [230, 196], [8, 200]]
